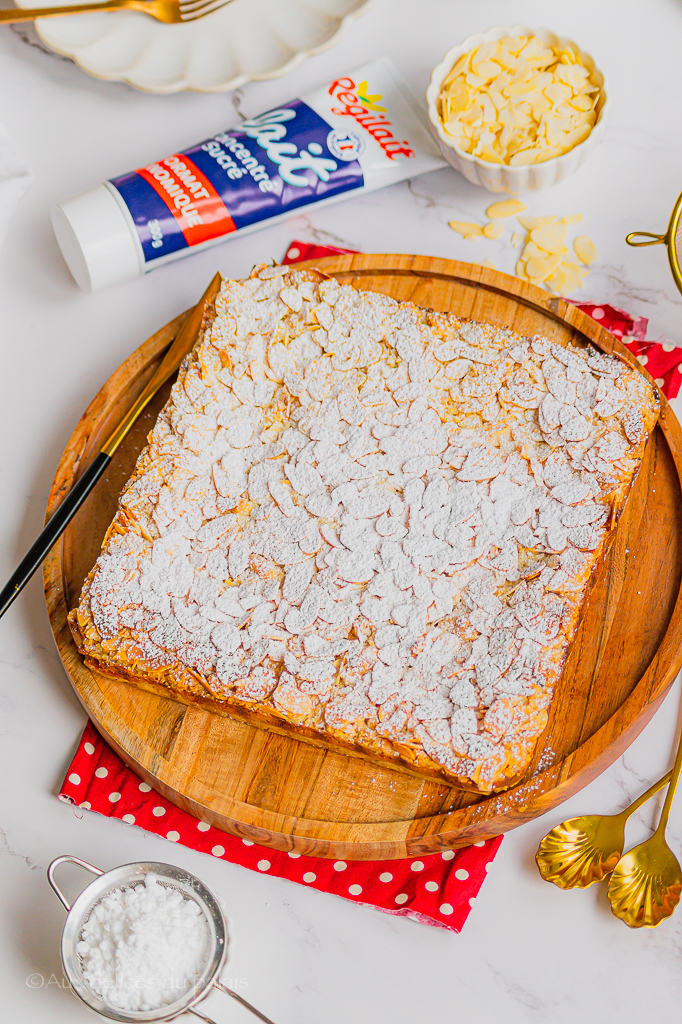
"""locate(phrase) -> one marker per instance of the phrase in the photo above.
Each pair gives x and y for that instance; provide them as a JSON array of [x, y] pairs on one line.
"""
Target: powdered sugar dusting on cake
[[370, 520]]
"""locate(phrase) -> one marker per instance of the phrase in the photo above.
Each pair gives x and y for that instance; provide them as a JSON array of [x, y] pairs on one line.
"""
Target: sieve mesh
[[129, 877], [126, 876], [133, 884]]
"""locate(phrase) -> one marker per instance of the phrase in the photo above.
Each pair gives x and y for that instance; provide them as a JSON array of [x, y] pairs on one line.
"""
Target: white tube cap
[[96, 240]]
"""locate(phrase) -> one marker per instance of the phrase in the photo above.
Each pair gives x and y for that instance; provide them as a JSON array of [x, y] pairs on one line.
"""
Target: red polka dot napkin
[[663, 361], [437, 890]]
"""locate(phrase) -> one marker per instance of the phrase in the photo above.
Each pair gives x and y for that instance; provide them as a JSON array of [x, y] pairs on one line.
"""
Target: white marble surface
[[529, 952]]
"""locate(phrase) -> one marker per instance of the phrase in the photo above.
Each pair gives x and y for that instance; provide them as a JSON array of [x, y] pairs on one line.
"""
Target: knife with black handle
[[179, 348]]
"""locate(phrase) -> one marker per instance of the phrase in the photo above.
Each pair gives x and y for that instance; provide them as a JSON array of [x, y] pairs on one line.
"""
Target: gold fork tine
[[200, 8], [168, 11]]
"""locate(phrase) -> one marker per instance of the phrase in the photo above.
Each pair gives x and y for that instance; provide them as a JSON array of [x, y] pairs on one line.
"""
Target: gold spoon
[[584, 850], [646, 883]]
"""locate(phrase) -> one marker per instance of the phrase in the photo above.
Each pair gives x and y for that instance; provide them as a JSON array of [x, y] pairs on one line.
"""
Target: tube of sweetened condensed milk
[[356, 134]]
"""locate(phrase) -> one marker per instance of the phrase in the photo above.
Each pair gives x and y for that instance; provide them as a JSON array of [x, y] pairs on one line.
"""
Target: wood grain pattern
[[282, 792]]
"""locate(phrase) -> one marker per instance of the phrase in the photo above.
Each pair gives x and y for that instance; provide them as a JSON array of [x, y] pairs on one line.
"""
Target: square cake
[[369, 524]]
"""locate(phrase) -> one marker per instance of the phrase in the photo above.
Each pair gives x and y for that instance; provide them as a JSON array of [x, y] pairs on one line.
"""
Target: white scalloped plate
[[245, 41]]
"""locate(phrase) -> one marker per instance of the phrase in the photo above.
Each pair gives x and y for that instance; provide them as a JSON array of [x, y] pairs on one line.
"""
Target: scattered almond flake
[[516, 238], [466, 229], [544, 260], [585, 249], [519, 104], [506, 208], [534, 222], [493, 229], [488, 264], [550, 237], [573, 218], [389, 550]]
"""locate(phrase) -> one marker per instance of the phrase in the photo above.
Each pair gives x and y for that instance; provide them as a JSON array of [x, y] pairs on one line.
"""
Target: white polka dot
[[667, 348], [488, 865], [445, 908], [129, 819], [660, 382], [431, 886], [679, 367], [402, 897], [355, 890], [448, 854], [218, 851], [309, 876], [247, 842], [86, 805], [340, 865], [461, 874], [114, 797], [158, 812], [643, 360], [173, 836], [417, 865], [294, 253], [294, 856], [144, 787], [203, 826], [385, 876], [75, 779], [263, 865], [597, 314], [88, 748], [482, 843], [472, 900], [101, 773]]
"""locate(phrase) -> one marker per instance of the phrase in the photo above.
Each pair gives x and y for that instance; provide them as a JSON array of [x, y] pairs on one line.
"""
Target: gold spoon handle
[[645, 796], [674, 779]]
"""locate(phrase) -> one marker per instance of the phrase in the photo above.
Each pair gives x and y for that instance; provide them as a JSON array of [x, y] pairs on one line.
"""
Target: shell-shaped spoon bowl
[[581, 851], [646, 884]]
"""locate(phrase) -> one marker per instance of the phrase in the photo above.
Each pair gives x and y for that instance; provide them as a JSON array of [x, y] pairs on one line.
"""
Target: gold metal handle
[[15, 14], [653, 239]]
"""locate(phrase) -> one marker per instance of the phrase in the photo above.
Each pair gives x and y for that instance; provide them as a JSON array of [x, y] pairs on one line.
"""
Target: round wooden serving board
[[286, 793]]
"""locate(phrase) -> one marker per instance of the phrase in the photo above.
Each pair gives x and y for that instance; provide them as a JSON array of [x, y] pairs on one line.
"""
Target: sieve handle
[[651, 238], [240, 999], [66, 859]]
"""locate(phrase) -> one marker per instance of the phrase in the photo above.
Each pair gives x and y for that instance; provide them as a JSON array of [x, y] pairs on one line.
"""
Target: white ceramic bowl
[[502, 177], [246, 41]]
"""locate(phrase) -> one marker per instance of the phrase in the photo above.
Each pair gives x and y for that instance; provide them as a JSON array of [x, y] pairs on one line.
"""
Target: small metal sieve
[[672, 239], [127, 875]]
